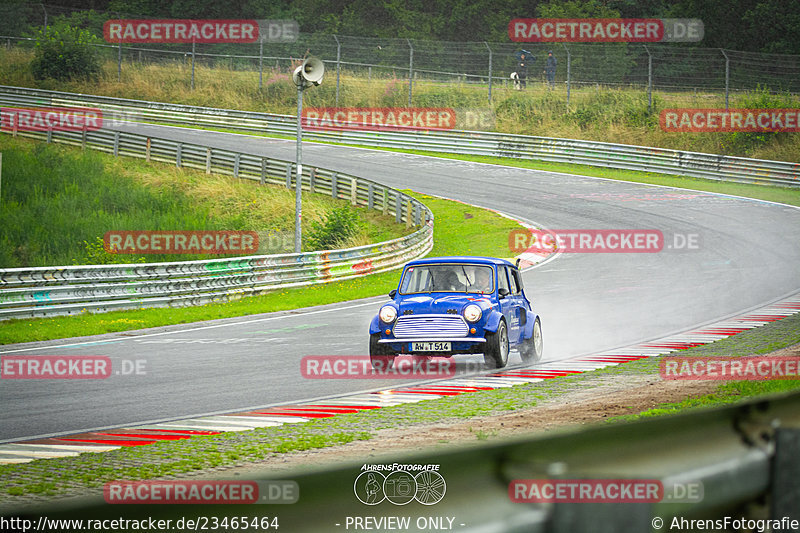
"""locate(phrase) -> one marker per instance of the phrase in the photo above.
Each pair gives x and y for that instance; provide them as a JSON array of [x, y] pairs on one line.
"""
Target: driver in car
[[483, 280]]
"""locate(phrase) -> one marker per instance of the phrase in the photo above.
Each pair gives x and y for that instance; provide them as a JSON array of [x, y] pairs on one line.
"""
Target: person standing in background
[[550, 68]]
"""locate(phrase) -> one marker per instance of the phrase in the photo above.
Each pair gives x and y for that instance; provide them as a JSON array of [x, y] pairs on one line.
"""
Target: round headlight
[[472, 313], [388, 314]]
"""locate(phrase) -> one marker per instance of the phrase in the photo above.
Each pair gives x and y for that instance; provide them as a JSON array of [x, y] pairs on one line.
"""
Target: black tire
[[496, 353], [380, 357], [531, 349]]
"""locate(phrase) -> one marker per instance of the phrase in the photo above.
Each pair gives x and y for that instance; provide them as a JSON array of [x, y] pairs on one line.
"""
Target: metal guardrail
[[50, 291], [741, 459], [608, 155]]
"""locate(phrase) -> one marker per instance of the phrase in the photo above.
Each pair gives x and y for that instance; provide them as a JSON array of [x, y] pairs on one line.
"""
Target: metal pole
[[261, 63], [338, 66], [490, 70], [1, 177], [119, 59], [410, 70], [727, 76], [569, 61], [649, 80], [193, 45], [298, 234], [45, 18]]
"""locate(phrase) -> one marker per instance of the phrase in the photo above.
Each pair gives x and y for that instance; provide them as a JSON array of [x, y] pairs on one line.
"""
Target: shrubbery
[[340, 224], [64, 52]]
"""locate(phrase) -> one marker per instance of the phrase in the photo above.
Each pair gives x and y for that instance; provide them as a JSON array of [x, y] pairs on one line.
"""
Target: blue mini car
[[457, 305]]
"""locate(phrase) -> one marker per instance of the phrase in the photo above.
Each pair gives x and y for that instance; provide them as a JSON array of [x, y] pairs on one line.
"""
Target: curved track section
[[747, 257]]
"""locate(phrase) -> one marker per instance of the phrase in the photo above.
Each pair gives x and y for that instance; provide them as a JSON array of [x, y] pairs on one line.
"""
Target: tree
[[64, 52]]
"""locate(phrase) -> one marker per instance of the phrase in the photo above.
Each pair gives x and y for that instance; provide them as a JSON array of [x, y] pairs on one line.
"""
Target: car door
[[520, 302], [508, 304]]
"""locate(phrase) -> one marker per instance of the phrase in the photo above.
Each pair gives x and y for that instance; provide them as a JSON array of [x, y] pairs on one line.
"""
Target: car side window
[[516, 285], [502, 279]]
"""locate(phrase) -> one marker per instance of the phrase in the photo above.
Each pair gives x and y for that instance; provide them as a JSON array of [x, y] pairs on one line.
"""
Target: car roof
[[460, 259]]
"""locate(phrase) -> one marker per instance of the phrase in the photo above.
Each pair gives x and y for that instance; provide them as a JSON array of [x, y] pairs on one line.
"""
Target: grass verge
[[46, 478], [459, 230]]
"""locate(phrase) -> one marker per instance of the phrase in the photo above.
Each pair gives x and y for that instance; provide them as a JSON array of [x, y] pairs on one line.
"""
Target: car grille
[[430, 326]]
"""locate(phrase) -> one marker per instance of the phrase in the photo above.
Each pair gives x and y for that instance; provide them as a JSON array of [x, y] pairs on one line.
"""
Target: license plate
[[430, 346]]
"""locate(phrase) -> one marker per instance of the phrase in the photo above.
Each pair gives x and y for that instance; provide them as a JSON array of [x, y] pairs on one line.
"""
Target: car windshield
[[448, 278]]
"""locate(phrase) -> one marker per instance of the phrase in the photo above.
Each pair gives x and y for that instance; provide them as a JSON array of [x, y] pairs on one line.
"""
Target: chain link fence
[[405, 62]]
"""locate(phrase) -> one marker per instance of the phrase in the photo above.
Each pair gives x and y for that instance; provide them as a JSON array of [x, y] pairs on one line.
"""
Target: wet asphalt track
[[748, 255]]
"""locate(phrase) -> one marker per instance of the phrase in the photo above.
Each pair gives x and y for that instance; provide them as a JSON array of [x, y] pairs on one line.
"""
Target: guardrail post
[[288, 175], [50, 136], [147, 150], [179, 155], [370, 196], [408, 214], [83, 138], [263, 170], [398, 208], [785, 488], [334, 191], [14, 126], [208, 160], [385, 201], [416, 214], [354, 191], [312, 179], [116, 143], [236, 161]]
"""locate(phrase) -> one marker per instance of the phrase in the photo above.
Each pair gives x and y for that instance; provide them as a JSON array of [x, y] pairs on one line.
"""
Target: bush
[[340, 224], [63, 53]]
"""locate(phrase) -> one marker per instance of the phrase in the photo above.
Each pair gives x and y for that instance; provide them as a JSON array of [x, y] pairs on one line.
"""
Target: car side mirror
[[392, 293], [503, 293]]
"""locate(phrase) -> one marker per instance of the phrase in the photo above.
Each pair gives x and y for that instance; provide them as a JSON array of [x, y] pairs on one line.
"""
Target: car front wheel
[[496, 354], [379, 355], [531, 349]]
